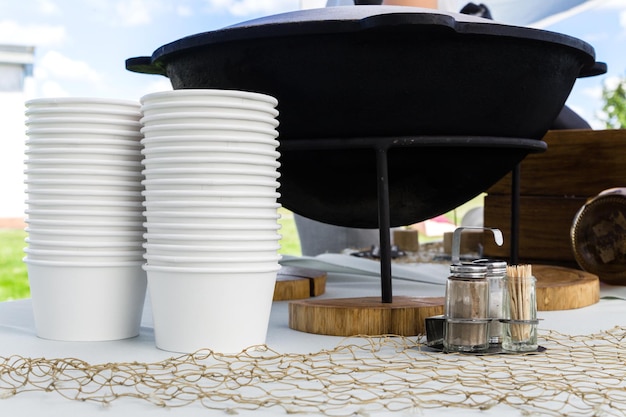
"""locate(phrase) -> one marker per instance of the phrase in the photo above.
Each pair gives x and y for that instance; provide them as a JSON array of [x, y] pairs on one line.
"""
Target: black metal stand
[[515, 209], [381, 145]]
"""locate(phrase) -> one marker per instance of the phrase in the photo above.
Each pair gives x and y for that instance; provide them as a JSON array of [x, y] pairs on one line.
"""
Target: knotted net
[[574, 376]]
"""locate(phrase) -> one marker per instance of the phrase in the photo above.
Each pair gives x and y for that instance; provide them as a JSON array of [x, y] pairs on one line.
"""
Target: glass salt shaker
[[466, 309], [496, 272]]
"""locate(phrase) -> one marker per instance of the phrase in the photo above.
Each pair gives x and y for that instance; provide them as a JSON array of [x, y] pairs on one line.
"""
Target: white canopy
[[536, 13]]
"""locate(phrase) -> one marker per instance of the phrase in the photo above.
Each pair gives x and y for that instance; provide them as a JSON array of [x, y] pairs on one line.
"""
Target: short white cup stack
[[84, 217], [211, 190]]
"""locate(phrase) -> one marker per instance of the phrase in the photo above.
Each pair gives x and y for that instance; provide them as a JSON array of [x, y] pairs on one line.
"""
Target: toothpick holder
[[519, 332]]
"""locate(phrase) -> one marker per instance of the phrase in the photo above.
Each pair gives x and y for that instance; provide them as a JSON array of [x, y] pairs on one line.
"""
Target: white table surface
[[17, 337]]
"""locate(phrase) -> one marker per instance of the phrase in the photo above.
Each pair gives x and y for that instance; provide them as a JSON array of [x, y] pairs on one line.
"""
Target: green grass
[[13, 275], [290, 243]]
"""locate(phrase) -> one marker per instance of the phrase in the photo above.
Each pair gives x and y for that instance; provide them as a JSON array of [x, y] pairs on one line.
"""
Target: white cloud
[[184, 11], [34, 35], [48, 7], [251, 7], [50, 88], [134, 12], [56, 65], [609, 4]]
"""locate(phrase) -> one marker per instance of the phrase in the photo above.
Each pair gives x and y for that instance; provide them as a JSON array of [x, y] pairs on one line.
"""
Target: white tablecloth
[[17, 337]]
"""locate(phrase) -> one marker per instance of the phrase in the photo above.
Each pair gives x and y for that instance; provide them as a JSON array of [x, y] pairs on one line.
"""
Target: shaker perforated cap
[[494, 266], [468, 270]]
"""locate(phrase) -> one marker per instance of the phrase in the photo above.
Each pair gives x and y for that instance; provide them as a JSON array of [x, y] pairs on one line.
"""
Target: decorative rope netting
[[574, 376]]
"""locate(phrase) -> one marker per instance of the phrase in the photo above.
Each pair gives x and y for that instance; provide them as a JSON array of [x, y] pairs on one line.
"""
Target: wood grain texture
[[404, 316], [295, 283], [544, 227], [577, 163], [560, 288]]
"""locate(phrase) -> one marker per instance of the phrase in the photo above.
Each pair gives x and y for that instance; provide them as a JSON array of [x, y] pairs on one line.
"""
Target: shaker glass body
[[467, 310]]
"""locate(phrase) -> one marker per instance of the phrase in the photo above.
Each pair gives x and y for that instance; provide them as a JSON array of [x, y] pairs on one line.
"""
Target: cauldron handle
[[144, 65]]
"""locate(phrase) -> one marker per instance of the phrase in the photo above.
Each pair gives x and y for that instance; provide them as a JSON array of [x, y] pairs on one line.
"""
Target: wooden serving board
[[294, 283], [560, 288], [405, 316]]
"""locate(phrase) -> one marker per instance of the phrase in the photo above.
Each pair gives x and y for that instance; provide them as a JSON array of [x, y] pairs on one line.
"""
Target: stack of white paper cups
[[84, 217], [212, 241]]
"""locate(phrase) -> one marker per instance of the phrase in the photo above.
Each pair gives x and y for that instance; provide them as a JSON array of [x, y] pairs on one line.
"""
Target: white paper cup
[[84, 154], [113, 207], [232, 142], [93, 255], [210, 218], [79, 224], [201, 240], [210, 119], [86, 174], [84, 195], [193, 162], [223, 258], [219, 247], [82, 122], [244, 208], [254, 185], [82, 245], [123, 237], [86, 301], [85, 143], [251, 197], [86, 103], [82, 133], [114, 166], [209, 172], [74, 183], [196, 308], [198, 129], [210, 107], [209, 95], [220, 260], [234, 229], [209, 151], [130, 113], [95, 214]]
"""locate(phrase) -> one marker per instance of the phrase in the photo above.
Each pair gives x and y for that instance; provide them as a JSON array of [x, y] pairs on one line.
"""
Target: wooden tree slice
[[405, 316], [560, 288], [295, 283]]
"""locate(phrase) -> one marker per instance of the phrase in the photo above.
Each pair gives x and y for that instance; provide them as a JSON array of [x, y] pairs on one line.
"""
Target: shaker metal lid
[[469, 270], [494, 266]]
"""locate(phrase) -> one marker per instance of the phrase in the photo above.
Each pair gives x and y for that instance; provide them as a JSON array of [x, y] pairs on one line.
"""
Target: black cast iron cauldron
[[385, 71], [344, 73]]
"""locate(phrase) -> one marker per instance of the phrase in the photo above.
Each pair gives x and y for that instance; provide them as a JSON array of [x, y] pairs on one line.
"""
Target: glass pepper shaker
[[466, 309], [496, 272]]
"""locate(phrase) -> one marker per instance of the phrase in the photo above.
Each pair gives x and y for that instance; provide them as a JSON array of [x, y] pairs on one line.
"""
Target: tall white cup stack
[[211, 190], [85, 217]]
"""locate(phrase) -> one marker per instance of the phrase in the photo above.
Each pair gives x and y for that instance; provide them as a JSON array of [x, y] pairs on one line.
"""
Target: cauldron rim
[[343, 19]]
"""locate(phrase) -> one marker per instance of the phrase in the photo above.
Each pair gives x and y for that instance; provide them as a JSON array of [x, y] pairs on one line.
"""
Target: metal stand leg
[[384, 224], [515, 203]]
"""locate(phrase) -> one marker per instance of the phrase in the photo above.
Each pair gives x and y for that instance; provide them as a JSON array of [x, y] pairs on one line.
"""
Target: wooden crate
[[554, 185]]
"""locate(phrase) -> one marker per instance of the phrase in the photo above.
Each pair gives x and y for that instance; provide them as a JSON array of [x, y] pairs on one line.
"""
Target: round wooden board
[[405, 316], [295, 283], [560, 288]]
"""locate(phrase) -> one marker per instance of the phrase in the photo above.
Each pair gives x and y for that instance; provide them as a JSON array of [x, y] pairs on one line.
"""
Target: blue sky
[[81, 45]]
